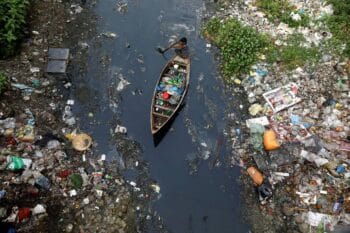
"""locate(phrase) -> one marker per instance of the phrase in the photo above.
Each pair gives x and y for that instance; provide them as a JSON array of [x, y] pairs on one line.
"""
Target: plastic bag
[[256, 131], [270, 140], [256, 175], [16, 163]]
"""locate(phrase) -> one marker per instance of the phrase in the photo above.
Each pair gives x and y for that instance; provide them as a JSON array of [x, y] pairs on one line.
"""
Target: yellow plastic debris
[[338, 106], [255, 109], [237, 81], [80, 142]]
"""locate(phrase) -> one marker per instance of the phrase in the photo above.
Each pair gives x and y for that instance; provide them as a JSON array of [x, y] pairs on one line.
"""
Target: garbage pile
[[171, 86], [39, 169], [296, 144], [300, 139], [300, 128], [248, 13], [51, 179]]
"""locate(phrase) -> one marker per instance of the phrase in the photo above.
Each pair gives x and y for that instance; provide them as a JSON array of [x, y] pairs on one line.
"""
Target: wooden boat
[[169, 92]]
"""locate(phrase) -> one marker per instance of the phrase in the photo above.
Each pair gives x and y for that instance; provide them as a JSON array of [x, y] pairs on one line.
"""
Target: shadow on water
[[158, 137]]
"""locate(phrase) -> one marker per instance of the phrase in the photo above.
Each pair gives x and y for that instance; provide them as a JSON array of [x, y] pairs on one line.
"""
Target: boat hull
[[169, 92]]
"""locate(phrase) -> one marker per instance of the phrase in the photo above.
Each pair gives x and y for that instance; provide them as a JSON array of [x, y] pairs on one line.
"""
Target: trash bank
[[293, 145], [52, 179]]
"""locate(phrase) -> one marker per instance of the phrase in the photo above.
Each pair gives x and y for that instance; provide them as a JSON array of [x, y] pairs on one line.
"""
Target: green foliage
[[333, 46], [239, 45], [339, 22], [3, 82], [211, 28], [294, 54], [281, 11], [12, 20]]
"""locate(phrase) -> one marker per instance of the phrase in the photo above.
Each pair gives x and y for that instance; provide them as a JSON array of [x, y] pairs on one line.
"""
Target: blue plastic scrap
[[261, 73], [340, 169], [2, 194], [295, 119], [21, 86]]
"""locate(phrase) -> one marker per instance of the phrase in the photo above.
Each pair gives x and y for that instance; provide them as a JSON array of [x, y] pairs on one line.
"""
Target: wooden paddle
[[162, 51]]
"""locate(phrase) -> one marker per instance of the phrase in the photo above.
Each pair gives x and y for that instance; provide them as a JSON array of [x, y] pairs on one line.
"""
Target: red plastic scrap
[[32, 191], [64, 173], [23, 213], [10, 141]]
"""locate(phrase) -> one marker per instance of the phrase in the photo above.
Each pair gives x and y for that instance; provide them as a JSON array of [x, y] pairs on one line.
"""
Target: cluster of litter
[[170, 88], [296, 144], [299, 139], [253, 16], [303, 145], [35, 167]]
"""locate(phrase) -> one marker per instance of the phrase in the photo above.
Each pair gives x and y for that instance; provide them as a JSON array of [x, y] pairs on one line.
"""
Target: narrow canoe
[[169, 92]]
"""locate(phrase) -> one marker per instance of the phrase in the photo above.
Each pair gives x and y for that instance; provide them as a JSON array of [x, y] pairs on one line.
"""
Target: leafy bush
[[339, 22], [12, 20], [3, 82], [239, 45], [281, 11]]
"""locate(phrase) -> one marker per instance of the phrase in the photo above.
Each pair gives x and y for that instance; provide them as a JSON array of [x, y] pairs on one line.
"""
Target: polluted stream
[[199, 190]]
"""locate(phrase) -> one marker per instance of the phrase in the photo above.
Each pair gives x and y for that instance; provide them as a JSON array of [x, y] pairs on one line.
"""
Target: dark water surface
[[208, 200]]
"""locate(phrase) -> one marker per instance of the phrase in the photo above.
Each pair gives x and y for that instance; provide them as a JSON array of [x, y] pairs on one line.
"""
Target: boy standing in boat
[[180, 46]]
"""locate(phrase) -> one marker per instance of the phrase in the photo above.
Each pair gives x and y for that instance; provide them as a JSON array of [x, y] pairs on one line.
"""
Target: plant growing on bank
[[13, 14], [3, 82], [293, 54], [239, 45], [339, 23], [281, 11]]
